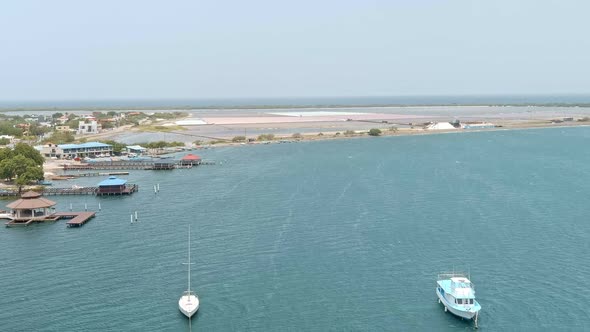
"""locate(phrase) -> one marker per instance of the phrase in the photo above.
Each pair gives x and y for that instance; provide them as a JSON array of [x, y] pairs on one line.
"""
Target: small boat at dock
[[6, 215], [457, 294]]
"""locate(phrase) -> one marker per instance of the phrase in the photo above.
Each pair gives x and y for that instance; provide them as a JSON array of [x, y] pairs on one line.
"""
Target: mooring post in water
[[99, 209], [155, 191], [135, 215], [158, 187], [132, 218], [85, 206], [70, 206]]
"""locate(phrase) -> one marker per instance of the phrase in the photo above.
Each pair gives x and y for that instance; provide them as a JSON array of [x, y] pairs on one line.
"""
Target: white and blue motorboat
[[456, 292]]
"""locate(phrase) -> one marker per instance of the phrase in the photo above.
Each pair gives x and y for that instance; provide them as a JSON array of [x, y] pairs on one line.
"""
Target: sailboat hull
[[188, 305]]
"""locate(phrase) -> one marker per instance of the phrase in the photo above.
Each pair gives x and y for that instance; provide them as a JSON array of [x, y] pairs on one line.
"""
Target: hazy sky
[[220, 48]]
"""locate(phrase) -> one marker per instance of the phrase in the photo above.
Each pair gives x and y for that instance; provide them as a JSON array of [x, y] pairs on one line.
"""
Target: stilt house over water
[[31, 206], [113, 186], [190, 159]]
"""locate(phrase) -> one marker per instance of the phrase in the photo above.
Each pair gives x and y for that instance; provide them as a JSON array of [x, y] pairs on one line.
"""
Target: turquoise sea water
[[322, 236]]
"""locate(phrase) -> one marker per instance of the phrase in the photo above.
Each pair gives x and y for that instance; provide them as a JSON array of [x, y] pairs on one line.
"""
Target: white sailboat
[[188, 302]]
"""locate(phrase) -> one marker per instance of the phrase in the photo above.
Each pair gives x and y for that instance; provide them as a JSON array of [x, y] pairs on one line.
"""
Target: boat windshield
[[464, 301], [461, 283]]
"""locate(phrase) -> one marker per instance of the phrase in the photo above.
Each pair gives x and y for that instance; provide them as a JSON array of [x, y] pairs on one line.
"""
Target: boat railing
[[449, 275]]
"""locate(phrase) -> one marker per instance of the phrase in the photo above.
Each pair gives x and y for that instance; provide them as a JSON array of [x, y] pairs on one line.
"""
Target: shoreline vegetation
[[162, 130], [165, 123], [298, 137]]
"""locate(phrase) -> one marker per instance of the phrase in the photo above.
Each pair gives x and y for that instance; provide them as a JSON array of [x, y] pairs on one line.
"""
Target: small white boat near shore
[[6, 215], [457, 294]]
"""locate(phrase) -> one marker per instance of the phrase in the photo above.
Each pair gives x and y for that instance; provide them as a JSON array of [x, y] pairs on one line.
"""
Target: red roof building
[[190, 159]]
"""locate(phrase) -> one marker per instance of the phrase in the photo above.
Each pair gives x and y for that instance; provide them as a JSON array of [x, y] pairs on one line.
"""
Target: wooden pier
[[77, 219], [105, 165], [51, 191], [129, 189], [163, 164], [70, 191], [80, 175]]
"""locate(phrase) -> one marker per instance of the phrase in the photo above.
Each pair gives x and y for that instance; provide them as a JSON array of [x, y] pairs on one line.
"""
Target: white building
[[440, 126], [68, 151], [90, 127], [135, 149]]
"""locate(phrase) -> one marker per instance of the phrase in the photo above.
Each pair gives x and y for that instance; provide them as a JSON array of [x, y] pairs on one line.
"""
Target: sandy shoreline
[[52, 168], [212, 129], [207, 126]]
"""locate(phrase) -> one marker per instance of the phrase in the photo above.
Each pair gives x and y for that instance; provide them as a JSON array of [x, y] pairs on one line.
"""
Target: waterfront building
[[135, 149], [31, 206], [164, 164], [112, 186], [190, 159], [440, 126], [70, 151]]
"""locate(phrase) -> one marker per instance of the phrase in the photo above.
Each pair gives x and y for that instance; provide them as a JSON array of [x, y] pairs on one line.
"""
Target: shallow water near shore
[[328, 235]]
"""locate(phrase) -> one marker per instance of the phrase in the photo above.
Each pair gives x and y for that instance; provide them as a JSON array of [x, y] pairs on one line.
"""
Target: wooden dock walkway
[[80, 175], [70, 191], [106, 165], [51, 191], [163, 164], [77, 218]]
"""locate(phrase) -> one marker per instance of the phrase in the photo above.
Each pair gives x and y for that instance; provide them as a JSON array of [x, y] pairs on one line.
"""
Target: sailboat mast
[[189, 260]]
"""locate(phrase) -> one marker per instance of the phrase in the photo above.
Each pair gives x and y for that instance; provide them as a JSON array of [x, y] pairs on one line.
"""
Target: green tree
[[375, 132], [37, 130], [107, 125], [27, 151], [349, 133], [22, 167], [4, 141], [6, 153], [238, 139], [61, 137], [31, 174], [117, 147], [75, 123], [7, 128], [266, 137]]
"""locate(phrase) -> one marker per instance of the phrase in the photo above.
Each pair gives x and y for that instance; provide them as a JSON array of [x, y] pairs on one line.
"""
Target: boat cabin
[[458, 290]]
